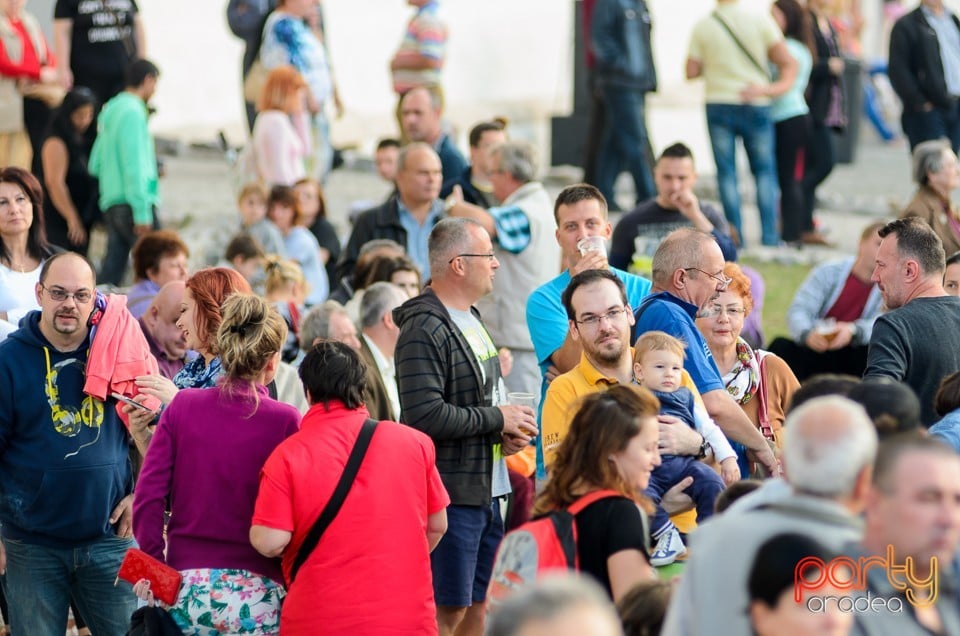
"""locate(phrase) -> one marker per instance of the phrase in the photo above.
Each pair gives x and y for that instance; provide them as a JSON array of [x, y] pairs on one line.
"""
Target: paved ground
[[197, 198]]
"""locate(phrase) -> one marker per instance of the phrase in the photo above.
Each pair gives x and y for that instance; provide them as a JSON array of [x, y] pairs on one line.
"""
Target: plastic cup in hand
[[592, 244], [827, 327], [522, 399]]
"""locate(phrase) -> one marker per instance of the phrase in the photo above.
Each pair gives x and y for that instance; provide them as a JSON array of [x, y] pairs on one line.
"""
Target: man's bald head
[[168, 299], [70, 260], [160, 320]]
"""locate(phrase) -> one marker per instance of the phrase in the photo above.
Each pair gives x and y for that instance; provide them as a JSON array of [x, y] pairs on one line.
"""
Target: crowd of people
[[376, 414]]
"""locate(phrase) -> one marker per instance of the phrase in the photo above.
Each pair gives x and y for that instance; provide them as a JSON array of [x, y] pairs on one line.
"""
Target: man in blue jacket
[[65, 478]]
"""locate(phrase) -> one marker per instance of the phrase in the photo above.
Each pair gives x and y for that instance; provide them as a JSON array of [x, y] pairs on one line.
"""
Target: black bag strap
[[336, 500], [760, 67]]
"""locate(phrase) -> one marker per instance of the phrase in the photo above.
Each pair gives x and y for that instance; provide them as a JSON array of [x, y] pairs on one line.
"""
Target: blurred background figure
[[937, 174], [70, 206], [283, 209], [28, 86], [280, 141], [158, 258], [313, 209]]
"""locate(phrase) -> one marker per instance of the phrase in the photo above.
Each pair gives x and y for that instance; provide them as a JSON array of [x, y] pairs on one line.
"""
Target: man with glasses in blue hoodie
[[65, 478]]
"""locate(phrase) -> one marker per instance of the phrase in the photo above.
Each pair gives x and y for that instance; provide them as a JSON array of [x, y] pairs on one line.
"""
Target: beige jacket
[[929, 206]]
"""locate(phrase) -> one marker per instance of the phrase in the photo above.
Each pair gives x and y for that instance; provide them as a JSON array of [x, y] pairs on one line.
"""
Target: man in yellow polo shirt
[[600, 319]]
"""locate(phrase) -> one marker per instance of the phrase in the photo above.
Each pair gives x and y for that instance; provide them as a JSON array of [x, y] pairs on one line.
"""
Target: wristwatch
[[704, 447], [854, 333]]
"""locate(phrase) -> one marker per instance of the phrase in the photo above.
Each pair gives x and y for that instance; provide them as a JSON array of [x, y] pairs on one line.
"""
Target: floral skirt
[[213, 601]]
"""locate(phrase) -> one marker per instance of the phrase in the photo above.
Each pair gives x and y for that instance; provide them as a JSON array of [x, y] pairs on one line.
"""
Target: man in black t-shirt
[[641, 230], [95, 42], [918, 340]]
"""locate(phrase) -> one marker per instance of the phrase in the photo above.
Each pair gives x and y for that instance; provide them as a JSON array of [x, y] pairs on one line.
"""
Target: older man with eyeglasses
[[529, 256], [687, 275], [448, 376]]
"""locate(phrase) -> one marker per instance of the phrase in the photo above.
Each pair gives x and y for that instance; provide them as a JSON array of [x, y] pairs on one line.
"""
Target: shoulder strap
[[336, 500], [764, 420], [736, 40], [577, 506]]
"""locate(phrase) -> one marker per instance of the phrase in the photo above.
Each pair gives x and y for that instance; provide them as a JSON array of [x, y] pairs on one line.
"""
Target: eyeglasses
[[59, 295], [611, 317], [730, 312], [722, 280], [489, 256]]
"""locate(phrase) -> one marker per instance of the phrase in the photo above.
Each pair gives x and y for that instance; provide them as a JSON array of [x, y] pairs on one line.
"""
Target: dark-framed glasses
[[611, 316]]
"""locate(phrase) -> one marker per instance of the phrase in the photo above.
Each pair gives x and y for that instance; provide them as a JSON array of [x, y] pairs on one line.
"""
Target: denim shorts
[[463, 560]]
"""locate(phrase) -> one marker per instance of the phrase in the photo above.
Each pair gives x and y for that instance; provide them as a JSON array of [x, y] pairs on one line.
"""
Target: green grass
[[782, 281]]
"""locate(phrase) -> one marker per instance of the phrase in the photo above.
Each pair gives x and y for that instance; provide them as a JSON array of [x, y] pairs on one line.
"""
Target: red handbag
[[164, 580]]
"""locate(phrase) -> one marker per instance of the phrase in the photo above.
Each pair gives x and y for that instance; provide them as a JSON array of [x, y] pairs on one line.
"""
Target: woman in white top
[[23, 242], [281, 133]]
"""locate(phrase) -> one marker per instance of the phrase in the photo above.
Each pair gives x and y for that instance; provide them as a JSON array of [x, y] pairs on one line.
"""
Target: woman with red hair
[[199, 320]]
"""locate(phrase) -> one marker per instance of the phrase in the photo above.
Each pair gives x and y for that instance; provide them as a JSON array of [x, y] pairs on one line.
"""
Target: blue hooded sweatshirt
[[64, 465]]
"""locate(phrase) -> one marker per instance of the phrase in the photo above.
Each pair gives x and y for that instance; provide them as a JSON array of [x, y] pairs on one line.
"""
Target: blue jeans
[[924, 125], [624, 144], [752, 124], [673, 469], [40, 581]]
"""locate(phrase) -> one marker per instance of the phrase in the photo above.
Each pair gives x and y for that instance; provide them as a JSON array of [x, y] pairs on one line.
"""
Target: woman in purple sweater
[[205, 459]]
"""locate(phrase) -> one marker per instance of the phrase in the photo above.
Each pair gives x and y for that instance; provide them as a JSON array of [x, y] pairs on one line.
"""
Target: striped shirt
[[426, 36]]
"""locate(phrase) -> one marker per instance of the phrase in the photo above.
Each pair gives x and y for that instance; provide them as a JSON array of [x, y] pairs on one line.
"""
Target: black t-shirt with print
[[102, 42]]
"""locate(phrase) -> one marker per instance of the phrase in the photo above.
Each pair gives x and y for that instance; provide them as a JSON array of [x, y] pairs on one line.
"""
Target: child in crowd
[[658, 366], [385, 158], [301, 246], [313, 211], [245, 254], [252, 203], [287, 290]]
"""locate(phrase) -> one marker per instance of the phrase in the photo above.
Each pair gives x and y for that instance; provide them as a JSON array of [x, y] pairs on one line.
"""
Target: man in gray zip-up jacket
[[448, 376], [841, 290]]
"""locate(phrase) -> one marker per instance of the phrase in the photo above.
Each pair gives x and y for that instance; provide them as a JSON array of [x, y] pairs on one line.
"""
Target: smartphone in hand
[[126, 400]]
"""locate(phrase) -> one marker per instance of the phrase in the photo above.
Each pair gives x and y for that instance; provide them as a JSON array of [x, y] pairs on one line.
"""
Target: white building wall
[[506, 57]]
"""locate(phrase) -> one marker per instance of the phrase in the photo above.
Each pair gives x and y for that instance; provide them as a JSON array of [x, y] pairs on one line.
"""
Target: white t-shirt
[[486, 353], [18, 292]]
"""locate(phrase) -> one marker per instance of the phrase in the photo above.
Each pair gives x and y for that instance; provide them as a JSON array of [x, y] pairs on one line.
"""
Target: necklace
[[17, 266]]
